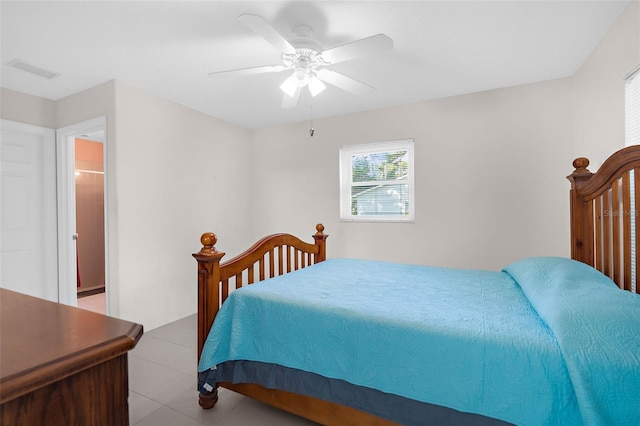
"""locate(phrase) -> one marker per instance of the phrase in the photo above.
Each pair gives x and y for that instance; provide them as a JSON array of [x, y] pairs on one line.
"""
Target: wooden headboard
[[605, 221]]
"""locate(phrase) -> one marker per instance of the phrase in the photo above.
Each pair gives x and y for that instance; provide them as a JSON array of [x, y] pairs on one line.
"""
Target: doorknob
[[75, 236]]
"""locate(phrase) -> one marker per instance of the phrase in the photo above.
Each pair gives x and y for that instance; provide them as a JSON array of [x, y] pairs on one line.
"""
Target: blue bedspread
[[468, 340], [598, 329]]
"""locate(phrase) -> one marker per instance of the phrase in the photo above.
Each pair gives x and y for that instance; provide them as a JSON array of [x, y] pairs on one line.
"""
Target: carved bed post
[[208, 285], [581, 214], [320, 239]]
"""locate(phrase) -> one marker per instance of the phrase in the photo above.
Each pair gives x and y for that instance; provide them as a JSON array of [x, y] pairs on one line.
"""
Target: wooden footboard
[[273, 255]]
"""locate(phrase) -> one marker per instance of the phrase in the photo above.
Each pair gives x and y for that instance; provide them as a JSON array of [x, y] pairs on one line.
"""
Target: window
[[376, 182], [632, 137]]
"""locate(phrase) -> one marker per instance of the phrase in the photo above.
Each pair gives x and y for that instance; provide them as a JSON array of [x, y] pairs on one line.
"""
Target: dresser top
[[43, 341]]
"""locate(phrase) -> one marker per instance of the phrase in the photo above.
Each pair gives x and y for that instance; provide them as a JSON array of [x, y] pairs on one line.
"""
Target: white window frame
[[346, 179]]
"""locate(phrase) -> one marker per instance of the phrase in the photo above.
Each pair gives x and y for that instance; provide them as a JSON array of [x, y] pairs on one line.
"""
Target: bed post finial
[[208, 240], [581, 164], [320, 237], [208, 283]]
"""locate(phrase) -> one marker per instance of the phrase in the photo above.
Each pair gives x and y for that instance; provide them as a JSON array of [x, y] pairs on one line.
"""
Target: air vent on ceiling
[[21, 65]]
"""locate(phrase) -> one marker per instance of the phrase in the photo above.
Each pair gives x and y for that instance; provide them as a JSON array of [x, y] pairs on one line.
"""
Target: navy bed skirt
[[391, 407]]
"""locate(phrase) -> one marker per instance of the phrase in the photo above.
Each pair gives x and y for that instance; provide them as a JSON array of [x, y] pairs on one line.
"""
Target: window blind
[[632, 137], [632, 108]]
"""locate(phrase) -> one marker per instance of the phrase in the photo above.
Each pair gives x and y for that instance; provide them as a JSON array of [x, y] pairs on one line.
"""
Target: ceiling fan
[[308, 63]]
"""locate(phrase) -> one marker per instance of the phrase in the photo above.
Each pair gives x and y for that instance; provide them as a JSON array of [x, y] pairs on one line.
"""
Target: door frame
[[65, 160]]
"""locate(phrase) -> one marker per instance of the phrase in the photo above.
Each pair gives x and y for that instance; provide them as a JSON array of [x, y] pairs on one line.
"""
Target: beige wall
[[172, 173], [599, 90], [490, 167], [23, 108], [179, 173], [490, 184]]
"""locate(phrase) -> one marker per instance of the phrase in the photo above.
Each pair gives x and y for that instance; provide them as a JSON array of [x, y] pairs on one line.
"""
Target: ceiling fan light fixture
[[289, 86], [301, 77], [316, 86]]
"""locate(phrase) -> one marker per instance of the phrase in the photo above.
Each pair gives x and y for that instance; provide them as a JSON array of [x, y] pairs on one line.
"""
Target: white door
[[28, 230]]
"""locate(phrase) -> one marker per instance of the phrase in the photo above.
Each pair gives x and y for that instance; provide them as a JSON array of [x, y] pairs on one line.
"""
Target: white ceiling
[[168, 48]]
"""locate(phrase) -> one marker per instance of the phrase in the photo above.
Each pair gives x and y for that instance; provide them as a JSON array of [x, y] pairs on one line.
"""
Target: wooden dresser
[[61, 365]]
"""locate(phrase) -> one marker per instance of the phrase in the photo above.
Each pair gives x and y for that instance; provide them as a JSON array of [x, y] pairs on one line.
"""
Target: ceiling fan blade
[[264, 29], [345, 83], [291, 101], [359, 48], [249, 71]]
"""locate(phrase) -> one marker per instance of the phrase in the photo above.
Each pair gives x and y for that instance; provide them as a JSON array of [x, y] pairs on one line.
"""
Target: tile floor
[[162, 383]]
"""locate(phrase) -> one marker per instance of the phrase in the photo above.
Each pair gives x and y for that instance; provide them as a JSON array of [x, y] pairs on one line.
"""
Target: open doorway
[[90, 235], [83, 266]]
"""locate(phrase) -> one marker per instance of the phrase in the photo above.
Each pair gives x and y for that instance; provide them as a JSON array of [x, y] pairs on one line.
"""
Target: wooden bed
[[602, 208]]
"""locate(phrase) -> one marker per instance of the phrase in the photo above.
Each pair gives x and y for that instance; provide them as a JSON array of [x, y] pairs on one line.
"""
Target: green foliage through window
[[379, 166]]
